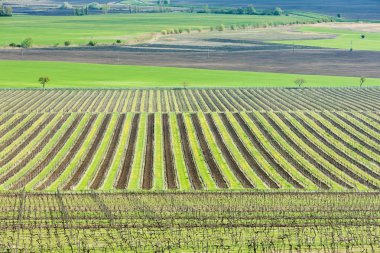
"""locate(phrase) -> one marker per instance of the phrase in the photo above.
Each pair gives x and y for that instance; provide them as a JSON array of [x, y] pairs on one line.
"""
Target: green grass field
[[342, 39], [51, 30], [25, 74]]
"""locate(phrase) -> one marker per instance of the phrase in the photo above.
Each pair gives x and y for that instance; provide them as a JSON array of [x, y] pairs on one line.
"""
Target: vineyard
[[190, 222], [190, 139]]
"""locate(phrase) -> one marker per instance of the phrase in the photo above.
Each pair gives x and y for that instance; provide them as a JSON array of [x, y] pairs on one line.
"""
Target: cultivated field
[[132, 28], [25, 74], [190, 139], [196, 222]]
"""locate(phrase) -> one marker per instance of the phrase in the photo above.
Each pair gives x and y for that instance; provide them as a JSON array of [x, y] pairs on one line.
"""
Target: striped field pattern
[[190, 139]]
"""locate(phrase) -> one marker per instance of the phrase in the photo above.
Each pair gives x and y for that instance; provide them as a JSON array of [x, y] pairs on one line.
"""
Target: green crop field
[[343, 39], [25, 74], [52, 30]]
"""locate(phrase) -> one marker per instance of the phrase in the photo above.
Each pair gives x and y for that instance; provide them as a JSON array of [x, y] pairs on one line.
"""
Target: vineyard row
[[190, 151]]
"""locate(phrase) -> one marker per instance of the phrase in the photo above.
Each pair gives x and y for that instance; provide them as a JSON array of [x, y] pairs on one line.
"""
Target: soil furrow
[[170, 172], [227, 155], [247, 155], [125, 172], [50, 156], [189, 159], [149, 154], [26, 142], [207, 154], [286, 155], [258, 145], [76, 177], [35, 151], [64, 163], [305, 154], [104, 167]]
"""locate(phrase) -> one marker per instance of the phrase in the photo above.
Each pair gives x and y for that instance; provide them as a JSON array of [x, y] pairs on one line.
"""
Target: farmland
[[106, 29], [190, 222], [205, 139], [155, 126], [25, 74]]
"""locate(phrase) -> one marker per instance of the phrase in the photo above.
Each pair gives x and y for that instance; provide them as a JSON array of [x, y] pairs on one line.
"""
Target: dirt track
[[301, 61]]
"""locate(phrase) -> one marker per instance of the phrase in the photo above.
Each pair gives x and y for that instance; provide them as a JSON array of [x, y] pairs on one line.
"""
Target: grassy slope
[[342, 40], [49, 30], [24, 74]]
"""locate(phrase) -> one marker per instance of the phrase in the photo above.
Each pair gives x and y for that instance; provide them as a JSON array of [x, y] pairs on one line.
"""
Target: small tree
[[362, 81], [43, 81], [67, 43], [299, 82], [27, 43]]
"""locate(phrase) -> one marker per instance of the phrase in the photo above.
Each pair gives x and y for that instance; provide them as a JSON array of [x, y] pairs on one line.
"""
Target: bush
[[13, 45], [187, 30], [27, 43], [220, 28], [118, 41], [67, 43], [92, 43], [164, 32], [233, 27]]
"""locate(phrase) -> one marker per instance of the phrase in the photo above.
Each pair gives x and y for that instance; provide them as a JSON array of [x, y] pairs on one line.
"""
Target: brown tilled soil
[[247, 155], [301, 61], [305, 154], [63, 164], [128, 159], [340, 139], [170, 174], [227, 155], [258, 145], [349, 133], [189, 159], [53, 152], [324, 154], [207, 154], [338, 151], [149, 154], [89, 156], [36, 150], [31, 137], [99, 178], [286, 155]]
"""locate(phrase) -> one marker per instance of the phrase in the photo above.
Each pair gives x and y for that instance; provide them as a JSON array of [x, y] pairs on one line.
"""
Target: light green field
[[25, 74], [50, 30], [342, 39]]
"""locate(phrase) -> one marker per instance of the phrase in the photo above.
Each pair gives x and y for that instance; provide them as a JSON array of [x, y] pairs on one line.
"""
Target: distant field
[[342, 40], [51, 30], [352, 9], [25, 74]]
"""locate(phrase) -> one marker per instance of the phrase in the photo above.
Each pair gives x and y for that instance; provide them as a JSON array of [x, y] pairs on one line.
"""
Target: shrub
[[220, 28], [13, 44], [67, 43], [27, 43], [164, 32], [187, 30], [233, 27], [92, 43], [118, 41]]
